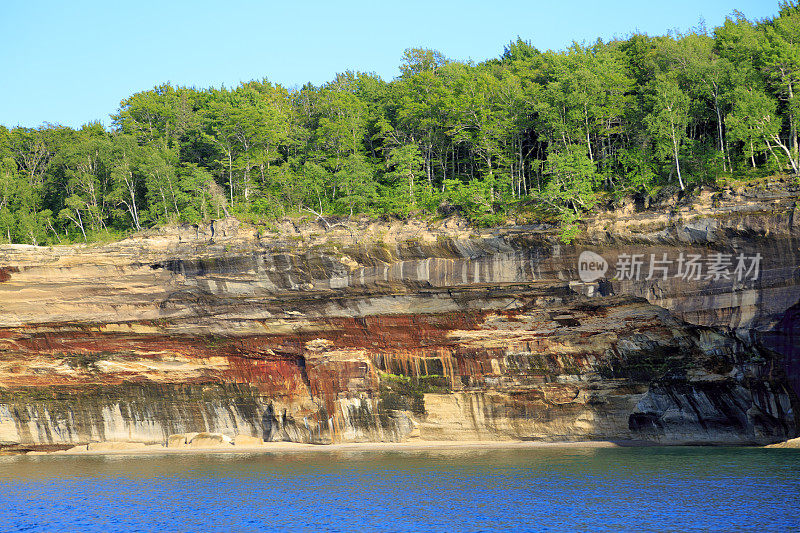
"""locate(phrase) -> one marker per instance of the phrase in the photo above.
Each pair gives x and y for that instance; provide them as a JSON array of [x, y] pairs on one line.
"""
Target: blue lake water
[[550, 489]]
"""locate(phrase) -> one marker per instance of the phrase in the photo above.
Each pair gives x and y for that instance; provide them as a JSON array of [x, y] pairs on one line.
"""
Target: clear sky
[[71, 62]]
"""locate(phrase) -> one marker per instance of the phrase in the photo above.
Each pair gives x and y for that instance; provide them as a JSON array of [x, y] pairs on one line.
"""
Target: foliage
[[551, 132]]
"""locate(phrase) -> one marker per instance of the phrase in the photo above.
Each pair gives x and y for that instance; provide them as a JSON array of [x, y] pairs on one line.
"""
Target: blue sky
[[71, 62]]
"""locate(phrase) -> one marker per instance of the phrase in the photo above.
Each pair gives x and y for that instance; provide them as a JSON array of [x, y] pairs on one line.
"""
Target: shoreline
[[299, 447], [282, 447]]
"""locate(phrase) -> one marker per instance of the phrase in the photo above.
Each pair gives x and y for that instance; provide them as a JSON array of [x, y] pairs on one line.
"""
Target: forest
[[538, 135]]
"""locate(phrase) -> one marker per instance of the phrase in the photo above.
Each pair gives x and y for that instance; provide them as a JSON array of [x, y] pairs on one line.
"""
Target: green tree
[[668, 120], [780, 59], [571, 186], [405, 164], [159, 167], [126, 181], [85, 163], [356, 180]]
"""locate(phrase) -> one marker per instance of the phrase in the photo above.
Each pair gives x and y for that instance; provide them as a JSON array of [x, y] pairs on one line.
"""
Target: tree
[[668, 120], [125, 176], [418, 60], [357, 182], [780, 59], [223, 132], [32, 153], [571, 187], [405, 163], [159, 168], [160, 116], [197, 194], [707, 76], [85, 163], [32, 226], [73, 206], [755, 123], [8, 224], [637, 172]]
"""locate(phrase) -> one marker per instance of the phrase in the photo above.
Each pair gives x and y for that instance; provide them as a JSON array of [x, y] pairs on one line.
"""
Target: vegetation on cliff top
[[547, 134]]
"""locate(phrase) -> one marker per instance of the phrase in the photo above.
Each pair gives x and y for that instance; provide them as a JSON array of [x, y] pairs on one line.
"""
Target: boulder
[[209, 440], [176, 441], [247, 440]]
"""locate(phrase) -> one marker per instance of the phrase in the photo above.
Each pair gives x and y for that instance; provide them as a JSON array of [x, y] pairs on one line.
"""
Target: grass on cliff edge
[[525, 211]]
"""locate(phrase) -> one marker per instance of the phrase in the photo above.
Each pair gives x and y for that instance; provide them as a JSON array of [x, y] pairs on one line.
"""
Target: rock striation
[[388, 331]]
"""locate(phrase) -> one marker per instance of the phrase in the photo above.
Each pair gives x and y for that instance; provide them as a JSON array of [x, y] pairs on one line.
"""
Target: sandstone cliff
[[389, 331]]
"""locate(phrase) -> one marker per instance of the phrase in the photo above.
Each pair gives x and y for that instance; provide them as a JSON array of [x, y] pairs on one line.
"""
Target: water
[[552, 489]]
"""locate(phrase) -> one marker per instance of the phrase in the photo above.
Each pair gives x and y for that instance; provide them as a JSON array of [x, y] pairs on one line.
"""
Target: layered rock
[[389, 331]]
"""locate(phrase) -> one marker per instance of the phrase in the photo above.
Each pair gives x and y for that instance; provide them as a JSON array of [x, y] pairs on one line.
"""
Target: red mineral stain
[[5, 273], [356, 351]]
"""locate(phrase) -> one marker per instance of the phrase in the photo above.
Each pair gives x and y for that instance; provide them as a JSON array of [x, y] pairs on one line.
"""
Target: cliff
[[372, 331]]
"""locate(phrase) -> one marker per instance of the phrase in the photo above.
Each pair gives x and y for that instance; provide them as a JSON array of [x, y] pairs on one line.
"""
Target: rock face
[[384, 332], [791, 443]]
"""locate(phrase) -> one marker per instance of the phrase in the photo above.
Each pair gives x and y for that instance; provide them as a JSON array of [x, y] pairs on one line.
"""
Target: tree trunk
[[769, 147], [174, 200], [588, 140], [247, 178], [230, 175], [788, 152], [411, 186], [133, 210], [793, 131], [164, 203], [675, 152], [428, 166], [50, 225], [719, 132], [80, 224]]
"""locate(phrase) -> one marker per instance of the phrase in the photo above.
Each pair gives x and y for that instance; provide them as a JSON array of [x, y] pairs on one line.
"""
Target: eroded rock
[[209, 440], [247, 440], [402, 331]]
